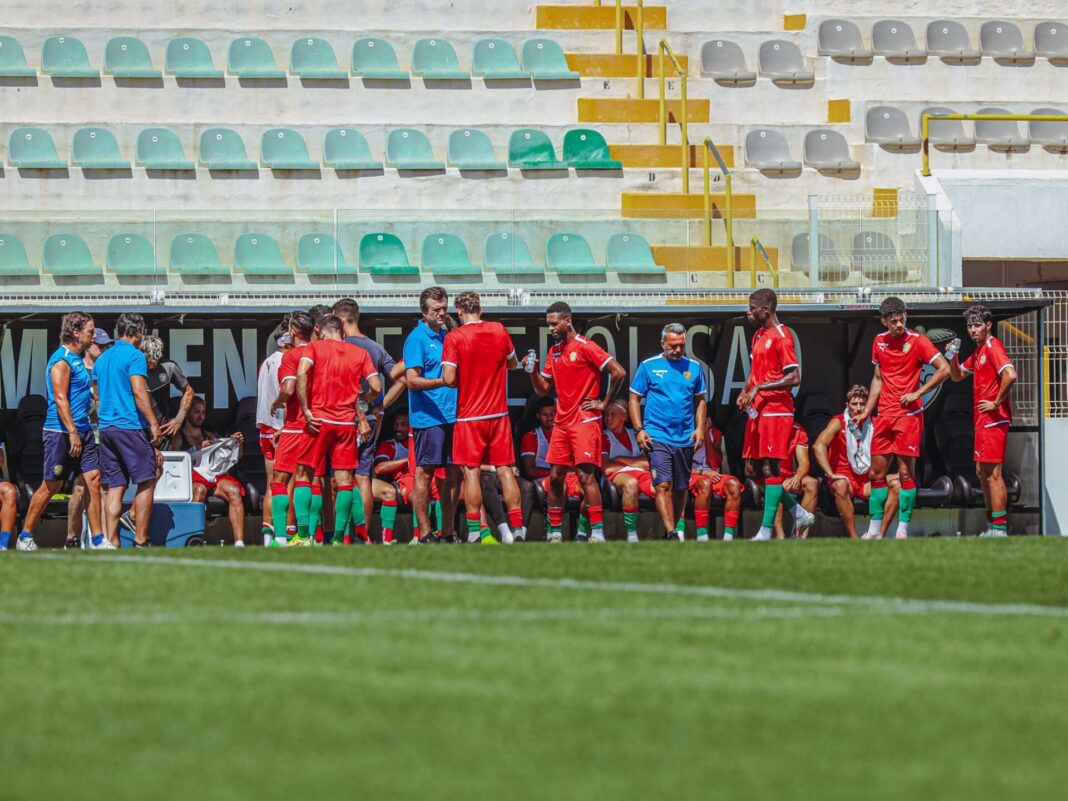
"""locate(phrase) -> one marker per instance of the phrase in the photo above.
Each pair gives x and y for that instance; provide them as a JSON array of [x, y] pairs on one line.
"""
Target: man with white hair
[[162, 375]]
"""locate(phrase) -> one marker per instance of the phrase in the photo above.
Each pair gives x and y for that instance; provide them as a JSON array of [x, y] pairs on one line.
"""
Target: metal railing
[[710, 146], [665, 49], [756, 246], [926, 120]]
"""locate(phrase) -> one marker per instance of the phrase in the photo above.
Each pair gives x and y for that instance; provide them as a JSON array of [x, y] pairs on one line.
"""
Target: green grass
[[167, 679]]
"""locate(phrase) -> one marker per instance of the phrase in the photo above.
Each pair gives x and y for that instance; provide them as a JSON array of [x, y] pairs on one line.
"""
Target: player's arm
[[874, 391], [387, 468], [616, 376], [529, 469], [415, 380], [957, 371], [820, 448], [699, 415], [303, 371], [374, 388], [804, 464], [1006, 378], [539, 379], [398, 385], [60, 378], [634, 411], [448, 374], [285, 391], [941, 373], [172, 426], [143, 402]]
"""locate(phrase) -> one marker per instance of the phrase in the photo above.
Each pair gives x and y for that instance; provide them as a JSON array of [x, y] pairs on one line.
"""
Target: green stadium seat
[[132, 255], [544, 59], [195, 254], [585, 149], [224, 149], [495, 60], [446, 255], [251, 58], [284, 149], [13, 60], [161, 149], [629, 254], [384, 254], [320, 254], [96, 149], [570, 254], [13, 261], [188, 57], [375, 59], [436, 59], [258, 254], [531, 149], [67, 255], [127, 57], [314, 59], [409, 149], [508, 254], [471, 149], [65, 57], [346, 149], [33, 148]]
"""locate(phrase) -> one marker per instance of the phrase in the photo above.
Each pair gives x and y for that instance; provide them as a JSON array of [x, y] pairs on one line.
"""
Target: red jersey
[[837, 454], [287, 371], [710, 459], [480, 352], [986, 366], [575, 368], [391, 451], [334, 382], [536, 443], [773, 355], [901, 361], [798, 439]]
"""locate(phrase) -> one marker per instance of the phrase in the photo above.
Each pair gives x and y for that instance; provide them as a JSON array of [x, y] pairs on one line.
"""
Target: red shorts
[[286, 451], [768, 437], [406, 483], [645, 480], [210, 486], [266, 441], [718, 487], [572, 488], [990, 443], [333, 441], [857, 483], [479, 442], [898, 436], [575, 445]]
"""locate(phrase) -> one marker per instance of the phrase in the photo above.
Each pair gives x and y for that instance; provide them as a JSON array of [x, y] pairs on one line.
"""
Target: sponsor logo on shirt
[[662, 373]]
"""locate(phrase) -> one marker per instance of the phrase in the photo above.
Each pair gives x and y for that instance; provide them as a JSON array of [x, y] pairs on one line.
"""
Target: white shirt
[[267, 391]]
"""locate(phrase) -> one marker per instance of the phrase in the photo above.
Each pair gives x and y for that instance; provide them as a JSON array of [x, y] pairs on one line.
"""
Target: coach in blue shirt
[[673, 387]]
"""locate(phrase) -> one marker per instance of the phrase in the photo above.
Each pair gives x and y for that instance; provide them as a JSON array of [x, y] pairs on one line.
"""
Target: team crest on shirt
[[906, 347], [687, 375], [982, 359], [767, 344], [573, 356], [162, 376]]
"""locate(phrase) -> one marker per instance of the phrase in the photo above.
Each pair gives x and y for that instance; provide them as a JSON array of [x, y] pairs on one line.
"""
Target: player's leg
[[777, 530], [142, 508], [113, 509], [773, 496], [472, 494], [591, 493], [420, 498], [561, 458], [880, 465], [528, 496], [9, 501], [893, 500], [842, 491], [991, 478], [701, 489], [732, 506], [660, 466], [75, 510], [906, 471], [386, 495], [809, 493], [93, 509], [626, 483], [302, 499], [346, 504], [230, 493], [513, 502], [38, 501]]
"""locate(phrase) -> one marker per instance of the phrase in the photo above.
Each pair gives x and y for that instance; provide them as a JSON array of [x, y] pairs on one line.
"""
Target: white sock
[[902, 529], [520, 533], [765, 533], [473, 536], [727, 537], [632, 536], [239, 543], [506, 533], [597, 535], [267, 540], [875, 527]]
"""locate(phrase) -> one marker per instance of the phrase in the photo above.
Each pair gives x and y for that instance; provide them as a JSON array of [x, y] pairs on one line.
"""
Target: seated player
[[533, 450], [626, 465], [394, 471], [797, 481], [9, 503], [708, 479]]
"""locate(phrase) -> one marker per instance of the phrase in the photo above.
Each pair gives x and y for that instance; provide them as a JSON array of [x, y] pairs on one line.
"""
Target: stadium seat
[[889, 128], [828, 152], [508, 255], [13, 60], [384, 255], [375, 59], [531, 149], [223, 149], [814, 412], [949, 41], [570, 255], [314, 59], [346, 149], [446, 255], [894, 40], [25, 443], [131, 254], [947, 135], [127, 57], [284, 149], [769, 152], [436, 59], [471, 149], [1051, 42], [67, 255], [782, 62], [13, 261], [33, 148], [544, 59], [161, 149], [875, 256], [495, 60], [252, 58], [195, 255], [1002, 136], [65, 57], [1003, 42], [724, 62], [629, 254], [409, 149], [320, 254], [842, 41], [258, 254], [188, 57], [1053, 136], [96, 149], [585, 149], [832, 268]]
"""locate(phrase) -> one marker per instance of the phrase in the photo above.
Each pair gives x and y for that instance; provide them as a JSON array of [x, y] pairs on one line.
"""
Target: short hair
[[857, 391], [319, 312], [432, 293], [331, 323], [892, 306], [978, 314], [543, 401], [73, 324], [129, 324], [302, 323], [765, 297], [672, 328], [348, 310], [560, 308], [198, 399], [619, 402], [152, 347], [468, 302]]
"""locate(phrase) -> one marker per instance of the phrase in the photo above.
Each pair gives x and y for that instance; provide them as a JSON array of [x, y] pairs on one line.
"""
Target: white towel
[[858, 451], [216, 459]]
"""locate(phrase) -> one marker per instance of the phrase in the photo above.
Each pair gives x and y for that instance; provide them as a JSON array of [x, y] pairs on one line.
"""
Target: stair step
[[667, 156], [697, 258], [611, 65], [602, 18], [679, 205], [632, 109]]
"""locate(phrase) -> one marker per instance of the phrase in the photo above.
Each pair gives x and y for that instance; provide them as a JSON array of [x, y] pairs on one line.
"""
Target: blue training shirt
[[431, 407], [669, 389], [113, 371], [79, 392]]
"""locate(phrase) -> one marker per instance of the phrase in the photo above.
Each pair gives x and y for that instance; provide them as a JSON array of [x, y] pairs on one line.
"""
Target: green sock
[[788, 500], [680, 525], [473, 526], [772, 496], [630, 522], [279, 513], [1001, 521], [908, 503], [358, 516], [302, 496], [877, 502], [702, 531], [583, 523], [728, 531], [315, 512], [389, 516], [342, 511], [484, 532], [435, 514]]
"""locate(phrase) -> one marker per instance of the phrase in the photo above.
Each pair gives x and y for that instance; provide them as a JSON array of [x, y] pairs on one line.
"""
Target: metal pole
[[708, 200], [1041, 357], [685, 143], [813, 241], [932, 241], [619, 26], [641, 52], [752, 263], [925, 133], [663, 102], [730, 229]]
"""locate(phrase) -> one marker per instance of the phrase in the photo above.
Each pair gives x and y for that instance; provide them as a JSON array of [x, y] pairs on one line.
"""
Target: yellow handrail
[[709, 145], [665, 48], [640, 58], [756, 245], [926, 118]]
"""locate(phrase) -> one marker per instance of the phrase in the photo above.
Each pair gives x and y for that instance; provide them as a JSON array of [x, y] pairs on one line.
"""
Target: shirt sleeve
[[875, 351], [968, 365], [413, 351], [386, 451], [368, 369], [639, 385], [547, 367], [528, 446], [307, 353], [506, 344], [801, 438], [699, 385], [388, 363], [926, 350], [138, 364], [596, 355], [787, 351], [450, 351], [287, 370], [998, 356]]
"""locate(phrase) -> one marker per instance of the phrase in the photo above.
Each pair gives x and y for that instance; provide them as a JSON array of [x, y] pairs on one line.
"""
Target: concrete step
[[690, 258], [632, 109], [666, 156], [599, 17], [679, 205], [612, 65]]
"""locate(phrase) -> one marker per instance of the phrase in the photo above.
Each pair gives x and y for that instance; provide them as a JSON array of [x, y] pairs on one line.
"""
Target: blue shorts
[[366, 455], [668, 463], [433, 446], [126, 457], [59, 465]]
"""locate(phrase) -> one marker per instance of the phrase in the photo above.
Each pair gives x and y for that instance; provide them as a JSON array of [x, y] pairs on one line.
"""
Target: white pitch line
[[882, 604]]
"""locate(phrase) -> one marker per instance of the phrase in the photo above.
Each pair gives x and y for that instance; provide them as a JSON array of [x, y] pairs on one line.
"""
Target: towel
[[216, 459], [858, 450]]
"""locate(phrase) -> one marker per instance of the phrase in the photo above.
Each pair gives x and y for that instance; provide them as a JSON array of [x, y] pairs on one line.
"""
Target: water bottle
[[532, 356], [953, 349], [753, 413], [854, 429]]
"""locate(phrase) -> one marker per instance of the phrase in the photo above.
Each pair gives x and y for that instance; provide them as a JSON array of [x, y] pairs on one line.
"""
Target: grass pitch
[[824, 670]]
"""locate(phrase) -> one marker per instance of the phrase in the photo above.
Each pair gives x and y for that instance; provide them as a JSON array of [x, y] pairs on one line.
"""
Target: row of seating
[[68, 255], [285, 149], [873, 254], [889, 128], [310, 58], [824, 150]]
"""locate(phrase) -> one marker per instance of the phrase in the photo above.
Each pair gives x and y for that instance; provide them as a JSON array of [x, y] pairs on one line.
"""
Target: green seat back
[[544, 59], [630, 253], [195, 254], [495, 58], [161, 149], [586, 149], [33, 148], [530, 148], [409, 149], [188, 57], [13, 59], [131, 254], [127, 57], [13, 259], [346, 149], [446, 254], [67, 254], [314, 58], [224, 149], [375, 58], [384, 254], [96, 148], [320, 254], [508, 254], [250, 57], [570, 254], [436, 58], [258, 254], [471, 149], [65, 57], [285, 149]]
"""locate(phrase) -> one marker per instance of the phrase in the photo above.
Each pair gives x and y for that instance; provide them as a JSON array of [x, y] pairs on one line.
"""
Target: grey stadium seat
[[832, 268], [1053, 136], [947, 135], [769, 152], [894, 40], [1000, 135], [1051, 42], [842, 41], [949, 41], [782, 62], [889, 128], [1003, 42], [724, 61], [875, 256], [828, 152]]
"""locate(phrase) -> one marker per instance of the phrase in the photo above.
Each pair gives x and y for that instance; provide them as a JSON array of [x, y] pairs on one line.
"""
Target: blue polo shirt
[[669, 389], [79, 392], [431, 407], [113, 371]]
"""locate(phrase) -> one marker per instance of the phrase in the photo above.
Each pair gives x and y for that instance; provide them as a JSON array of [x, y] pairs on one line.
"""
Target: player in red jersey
[[574, 366], [708, 479], [627, 466], [899, 355], [774, 370], [534, 466], [329, 388], [476, 359], [993, 375], [796, 481]]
